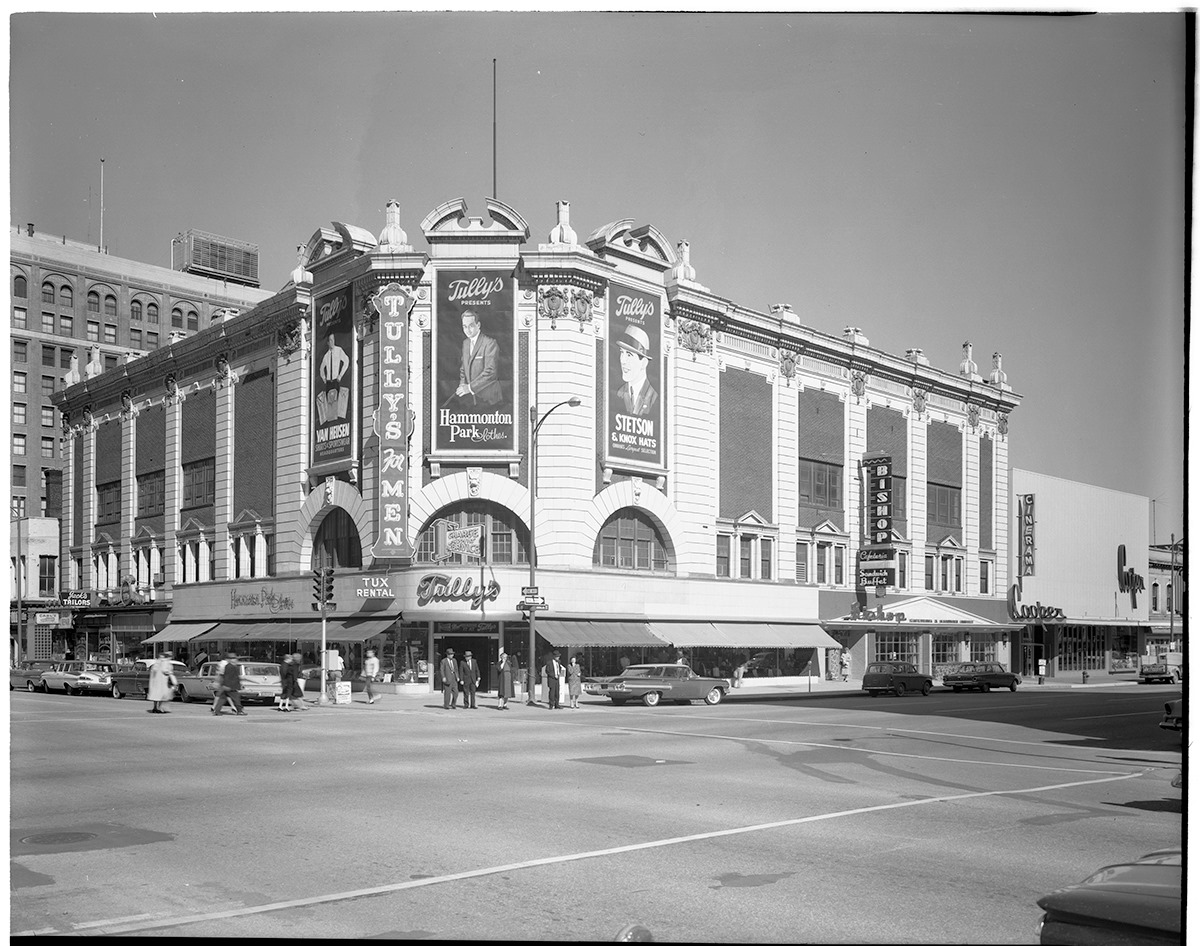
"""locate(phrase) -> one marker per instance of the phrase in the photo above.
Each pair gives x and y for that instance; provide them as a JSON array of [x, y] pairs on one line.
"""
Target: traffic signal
[[323, 589]]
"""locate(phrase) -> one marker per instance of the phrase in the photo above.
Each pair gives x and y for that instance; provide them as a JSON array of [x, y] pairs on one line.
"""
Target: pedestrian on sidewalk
[[369, 672], [553, 673], [230, 687], [162, 682], [468, 673], [449, 673], [287, 676], [574, 681], [504, 686], [845, 666], [297, 692]]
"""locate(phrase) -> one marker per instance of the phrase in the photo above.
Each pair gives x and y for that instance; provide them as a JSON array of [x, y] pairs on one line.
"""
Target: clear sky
[[1012, 181]]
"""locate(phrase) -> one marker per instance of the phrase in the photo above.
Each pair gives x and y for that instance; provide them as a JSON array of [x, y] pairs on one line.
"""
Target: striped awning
[[598, 633], [176, 633]]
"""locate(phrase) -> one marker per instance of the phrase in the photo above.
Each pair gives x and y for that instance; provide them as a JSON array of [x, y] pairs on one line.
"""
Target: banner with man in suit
[[636, 402]]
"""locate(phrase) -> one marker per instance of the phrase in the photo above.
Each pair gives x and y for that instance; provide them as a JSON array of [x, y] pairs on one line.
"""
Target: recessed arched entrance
[[336, 543]]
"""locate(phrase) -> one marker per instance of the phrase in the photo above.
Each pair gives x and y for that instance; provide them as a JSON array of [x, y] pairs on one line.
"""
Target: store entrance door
[[484, 651]]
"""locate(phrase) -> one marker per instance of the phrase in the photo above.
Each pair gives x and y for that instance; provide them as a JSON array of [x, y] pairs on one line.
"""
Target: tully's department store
[[697, 473]]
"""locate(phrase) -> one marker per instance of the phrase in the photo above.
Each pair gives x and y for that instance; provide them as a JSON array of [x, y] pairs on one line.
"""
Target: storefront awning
[[696, 634], [598, 633], [249, 631], [355, 631], [730, 634], [350, 631], [176, 633]]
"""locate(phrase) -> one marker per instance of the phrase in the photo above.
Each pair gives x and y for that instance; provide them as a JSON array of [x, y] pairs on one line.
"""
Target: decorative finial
[[393, 239], [562, 233]]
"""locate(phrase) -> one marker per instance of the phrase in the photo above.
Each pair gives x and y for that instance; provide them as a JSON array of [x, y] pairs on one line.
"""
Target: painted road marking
[[110, 927]]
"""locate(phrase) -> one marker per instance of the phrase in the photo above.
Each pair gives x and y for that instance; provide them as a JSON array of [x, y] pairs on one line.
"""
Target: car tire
[[30, 686], [116, 692], [985, 688], [69, 690], [715, 695], [45, 687], [183, 695], [898, 689], [652, 698], [958, 689], [1013, 686], [926, 688]]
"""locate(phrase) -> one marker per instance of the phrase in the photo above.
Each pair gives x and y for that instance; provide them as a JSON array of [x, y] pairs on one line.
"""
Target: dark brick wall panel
[[822, 427], [945, 454], [986, 471], [77, 497], [254, 434], [198, 434], [108, 452], [151, 441], [746, 419]]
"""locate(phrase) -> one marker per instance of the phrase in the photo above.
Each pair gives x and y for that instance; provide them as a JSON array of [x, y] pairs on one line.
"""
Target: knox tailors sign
[[636, 395]]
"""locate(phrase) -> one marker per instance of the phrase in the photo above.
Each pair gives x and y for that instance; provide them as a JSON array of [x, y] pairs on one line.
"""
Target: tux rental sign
[[474, 339]]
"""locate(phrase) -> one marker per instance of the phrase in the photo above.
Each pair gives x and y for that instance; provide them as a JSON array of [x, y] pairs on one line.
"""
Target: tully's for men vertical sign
[[393, 423]]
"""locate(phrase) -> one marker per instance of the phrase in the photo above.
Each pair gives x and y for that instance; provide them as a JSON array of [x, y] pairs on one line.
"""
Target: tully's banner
[[474, 337], [334, 380], [636, 398], [393, 423]]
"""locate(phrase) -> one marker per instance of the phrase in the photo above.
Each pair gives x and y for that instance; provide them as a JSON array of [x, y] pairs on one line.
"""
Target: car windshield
[[99, 668], [646, 671], [880, 668]]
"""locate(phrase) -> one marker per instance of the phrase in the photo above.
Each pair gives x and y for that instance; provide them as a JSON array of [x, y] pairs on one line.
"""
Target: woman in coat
[[162, 682], [504, 689], [574, 681]]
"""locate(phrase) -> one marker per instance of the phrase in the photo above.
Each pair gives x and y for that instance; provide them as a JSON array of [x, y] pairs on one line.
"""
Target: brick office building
[[704, 495]]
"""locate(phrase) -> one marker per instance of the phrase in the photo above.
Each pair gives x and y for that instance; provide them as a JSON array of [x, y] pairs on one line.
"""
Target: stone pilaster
[[223, 486]]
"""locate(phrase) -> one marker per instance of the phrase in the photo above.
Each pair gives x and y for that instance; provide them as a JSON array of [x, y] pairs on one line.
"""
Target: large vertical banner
[[1025, 541], [636, 394], [474, 338], [877, 561], [393, 423], [334, 380]]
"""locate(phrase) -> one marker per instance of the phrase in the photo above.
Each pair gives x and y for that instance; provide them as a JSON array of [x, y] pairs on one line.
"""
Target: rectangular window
[[48, 356], [108, 502], [110, 333], [18, 479], [47, 416], [48, 447], [20, 352], [18, 445], [47, 576], [135, 338], [958, 576], [822, 562], [47, 385], [802, 562], [839, 565], [93, 331], [18, 506], [18, 414], [110, 362], [945, 575], [983, 648], [766, 558], [820, 484], [945, 505], [19, 379], [66, 325], [199, 483], [270, 540], [48, 323], [902, 570], [746, 557], [723, 556], [985, 578], [64, 357], [20, 316], [151, 490], [929, 573], [152, 340]]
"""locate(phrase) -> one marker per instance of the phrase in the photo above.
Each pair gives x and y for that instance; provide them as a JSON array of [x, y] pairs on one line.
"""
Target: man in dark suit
[[449, 672], [553, 669], [468, 672], [637, 396], [478, 373]]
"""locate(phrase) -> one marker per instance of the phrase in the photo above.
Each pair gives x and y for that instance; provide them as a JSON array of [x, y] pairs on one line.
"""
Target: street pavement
[[777, 816]]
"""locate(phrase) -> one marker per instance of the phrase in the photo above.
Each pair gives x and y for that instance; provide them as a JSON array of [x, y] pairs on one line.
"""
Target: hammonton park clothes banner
[[474, 339]]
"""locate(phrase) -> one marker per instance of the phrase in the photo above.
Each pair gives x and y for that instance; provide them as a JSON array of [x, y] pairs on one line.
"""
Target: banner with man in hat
[[636, 397]]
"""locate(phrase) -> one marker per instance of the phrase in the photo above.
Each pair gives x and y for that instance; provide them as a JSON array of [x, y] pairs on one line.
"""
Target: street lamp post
[[536, 423]]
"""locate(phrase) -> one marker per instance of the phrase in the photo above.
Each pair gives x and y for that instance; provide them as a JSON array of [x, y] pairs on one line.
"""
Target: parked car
[[895, 676], [979, 676], [135, 680], [260, 681], [27, 675], [77, 676], [1133, 902], [1173, 715], [1167, 669], [652, 683]]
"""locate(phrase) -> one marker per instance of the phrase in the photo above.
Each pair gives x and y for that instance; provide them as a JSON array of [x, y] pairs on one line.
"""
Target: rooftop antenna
[[101, 205], [495, 196]]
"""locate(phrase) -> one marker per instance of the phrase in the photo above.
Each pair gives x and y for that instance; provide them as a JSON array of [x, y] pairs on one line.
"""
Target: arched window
[[1170, 602], [337, 543], [20, 287], [630, 540], [1154, 596], [135, 311], [48, 293], [110, 306], [66, 296], [177, 318], [152, 313], [193, 321], [501, 538], [93, 302]]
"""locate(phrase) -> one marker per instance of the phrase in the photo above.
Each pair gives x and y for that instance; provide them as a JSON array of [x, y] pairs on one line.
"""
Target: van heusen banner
[[393, 423], [636, 395], [334, 381], [474, 339]]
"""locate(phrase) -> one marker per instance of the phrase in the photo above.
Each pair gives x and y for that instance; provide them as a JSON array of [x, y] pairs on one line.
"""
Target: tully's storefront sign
[[437, 587]]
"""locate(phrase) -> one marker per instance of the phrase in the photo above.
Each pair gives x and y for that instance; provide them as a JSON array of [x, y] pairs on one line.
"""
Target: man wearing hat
[[639, 398], [553, 673], [449, 671], [468, 672]]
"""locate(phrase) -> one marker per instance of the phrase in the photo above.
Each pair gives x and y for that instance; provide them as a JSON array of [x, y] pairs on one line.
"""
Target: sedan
[[652, 683], [77, 676], [135, 680], [27, 675], [260, 681], [1137, 901], [980, 676], [1173, 715], [895, 677]]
